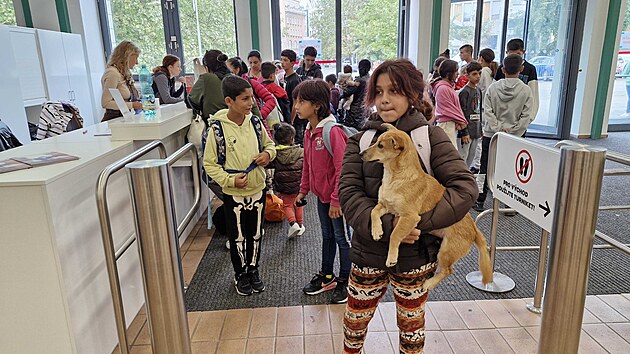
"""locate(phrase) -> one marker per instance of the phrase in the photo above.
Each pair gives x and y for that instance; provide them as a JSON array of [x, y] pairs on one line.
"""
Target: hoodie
[[320, 173], [288, 169], [447, 106], [241, 145], [507, 107], [314, 72]]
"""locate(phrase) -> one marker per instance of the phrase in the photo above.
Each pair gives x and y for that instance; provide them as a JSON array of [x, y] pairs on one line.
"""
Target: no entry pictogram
[[524, 166]]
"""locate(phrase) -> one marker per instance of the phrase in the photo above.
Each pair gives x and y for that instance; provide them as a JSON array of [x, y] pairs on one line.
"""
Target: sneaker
[[227, 244], [255, 281], [319, 284], [294, 230], [242, 284], [340, 294], [479, 206], [302, 230]]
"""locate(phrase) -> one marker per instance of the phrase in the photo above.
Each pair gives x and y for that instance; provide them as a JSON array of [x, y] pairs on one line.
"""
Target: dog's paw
[[391, 262], [377, 232], [430, 284]]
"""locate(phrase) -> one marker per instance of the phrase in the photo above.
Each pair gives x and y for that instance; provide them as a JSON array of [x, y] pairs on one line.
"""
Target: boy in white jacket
[[507, 108]]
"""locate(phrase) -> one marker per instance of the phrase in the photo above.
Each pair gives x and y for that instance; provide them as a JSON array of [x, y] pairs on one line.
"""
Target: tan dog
[[408, 192]]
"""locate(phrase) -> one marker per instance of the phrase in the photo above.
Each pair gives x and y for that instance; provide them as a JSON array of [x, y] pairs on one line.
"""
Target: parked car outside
[[544, 67]]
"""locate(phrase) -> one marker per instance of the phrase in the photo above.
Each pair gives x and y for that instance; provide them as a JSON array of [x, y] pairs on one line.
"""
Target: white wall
[[12, 110], [588, 75], [84, 20], [264, 30], [243, 28], [420, 22], [44, 14]]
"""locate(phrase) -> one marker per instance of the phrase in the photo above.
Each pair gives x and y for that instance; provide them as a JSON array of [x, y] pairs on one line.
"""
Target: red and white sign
[[524, 166], [526, 177]]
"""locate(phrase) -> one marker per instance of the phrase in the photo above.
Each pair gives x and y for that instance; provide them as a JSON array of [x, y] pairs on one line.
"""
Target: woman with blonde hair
[[117, 75]]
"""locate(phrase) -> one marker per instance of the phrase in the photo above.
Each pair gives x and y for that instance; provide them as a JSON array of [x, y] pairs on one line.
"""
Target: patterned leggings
[[366, 288]]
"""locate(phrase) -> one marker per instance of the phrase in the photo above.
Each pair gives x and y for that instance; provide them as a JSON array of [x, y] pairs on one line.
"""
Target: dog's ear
[[397, 142], [388, 126]]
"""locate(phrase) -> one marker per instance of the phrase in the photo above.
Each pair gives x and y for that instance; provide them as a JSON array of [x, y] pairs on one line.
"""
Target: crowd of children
[[311, 152]]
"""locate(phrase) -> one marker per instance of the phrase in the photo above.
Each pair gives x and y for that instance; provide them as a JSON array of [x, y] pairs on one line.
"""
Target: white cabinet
[[24, 49], [11, 103], [65, 72]]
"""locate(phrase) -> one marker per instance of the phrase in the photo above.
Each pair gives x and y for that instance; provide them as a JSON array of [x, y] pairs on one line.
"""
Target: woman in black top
[[164, 80]]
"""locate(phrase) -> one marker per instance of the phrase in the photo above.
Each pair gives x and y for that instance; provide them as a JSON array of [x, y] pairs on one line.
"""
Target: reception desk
[[55, 295]]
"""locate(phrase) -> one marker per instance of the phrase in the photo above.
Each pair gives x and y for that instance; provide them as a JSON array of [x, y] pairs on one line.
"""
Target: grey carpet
[[287, 265]]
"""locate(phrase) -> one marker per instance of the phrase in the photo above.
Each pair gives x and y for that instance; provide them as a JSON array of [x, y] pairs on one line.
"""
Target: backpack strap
[[326, 136], [217, 129], [420, 137], [366, 139], [258, 128]]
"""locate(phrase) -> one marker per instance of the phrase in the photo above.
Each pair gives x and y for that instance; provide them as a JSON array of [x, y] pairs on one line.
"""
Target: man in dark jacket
[[308, 68], [355, 117]]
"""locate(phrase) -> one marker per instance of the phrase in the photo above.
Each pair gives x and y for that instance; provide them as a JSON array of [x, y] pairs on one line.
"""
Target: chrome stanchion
[[156, 232], [501, 283], [536, 306], [573, 233]]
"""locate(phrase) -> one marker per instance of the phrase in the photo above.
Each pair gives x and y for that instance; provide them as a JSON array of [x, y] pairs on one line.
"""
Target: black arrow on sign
[[545, 208]]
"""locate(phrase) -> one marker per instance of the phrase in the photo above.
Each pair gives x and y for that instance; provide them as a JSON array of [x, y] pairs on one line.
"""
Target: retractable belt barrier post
[[158, 246], [572, 236]]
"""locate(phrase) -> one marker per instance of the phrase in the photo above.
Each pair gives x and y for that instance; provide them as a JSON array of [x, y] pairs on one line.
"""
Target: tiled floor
[[482, 326]]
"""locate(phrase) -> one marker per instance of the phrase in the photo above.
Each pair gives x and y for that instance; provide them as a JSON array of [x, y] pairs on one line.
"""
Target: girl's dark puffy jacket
[[358, 194], [288, 164]]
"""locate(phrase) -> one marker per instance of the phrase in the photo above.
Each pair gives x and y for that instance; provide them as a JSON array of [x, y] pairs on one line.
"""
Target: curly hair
[[120, 58]]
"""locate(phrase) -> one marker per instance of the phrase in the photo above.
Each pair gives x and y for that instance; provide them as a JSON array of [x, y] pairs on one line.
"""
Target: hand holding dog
[[412, 237]]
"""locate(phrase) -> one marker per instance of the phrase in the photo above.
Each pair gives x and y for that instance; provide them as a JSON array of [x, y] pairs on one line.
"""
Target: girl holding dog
[[396, 90]]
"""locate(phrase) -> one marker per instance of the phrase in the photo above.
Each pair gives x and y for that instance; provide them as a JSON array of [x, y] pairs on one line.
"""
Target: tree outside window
[[205, 25], [140, 22], [7, 13]]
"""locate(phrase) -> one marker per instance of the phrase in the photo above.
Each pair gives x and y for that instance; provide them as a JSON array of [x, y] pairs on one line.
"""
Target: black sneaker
[[319, 284], [242, 284], [255, 281], [340, 294], [479, 206]]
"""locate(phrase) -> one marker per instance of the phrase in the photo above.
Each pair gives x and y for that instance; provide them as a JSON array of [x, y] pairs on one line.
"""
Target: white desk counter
[[55, 291]]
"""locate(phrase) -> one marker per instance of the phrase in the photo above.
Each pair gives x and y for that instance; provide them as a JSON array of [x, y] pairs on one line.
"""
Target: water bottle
[[148, 98]]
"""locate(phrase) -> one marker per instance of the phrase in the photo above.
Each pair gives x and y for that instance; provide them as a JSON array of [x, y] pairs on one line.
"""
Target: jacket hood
[[408, 122], [288, 155], [321, 123], [440, 83], [156, 74], [222, 116], [509, 88]]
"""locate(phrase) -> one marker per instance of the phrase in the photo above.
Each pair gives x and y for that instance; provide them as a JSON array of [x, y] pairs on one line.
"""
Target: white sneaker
[[294, 230], [227, 244], [302, 230]]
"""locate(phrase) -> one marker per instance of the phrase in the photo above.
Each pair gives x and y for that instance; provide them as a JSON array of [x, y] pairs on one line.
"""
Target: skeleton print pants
[[244, 218]]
